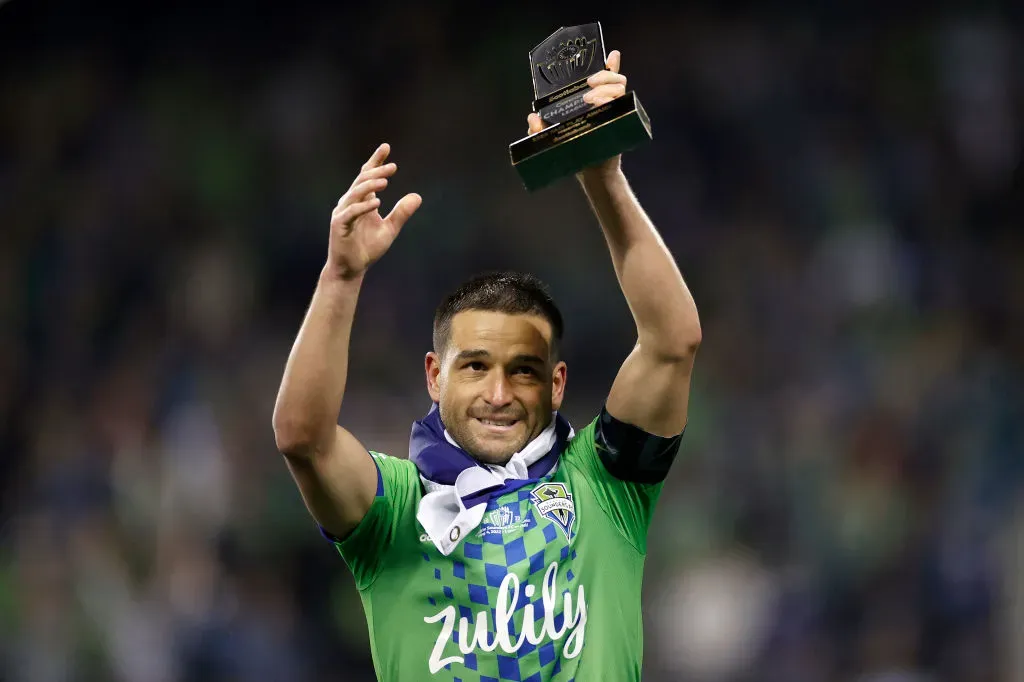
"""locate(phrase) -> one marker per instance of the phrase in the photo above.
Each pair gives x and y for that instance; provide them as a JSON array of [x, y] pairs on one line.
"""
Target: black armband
[[631, 454]]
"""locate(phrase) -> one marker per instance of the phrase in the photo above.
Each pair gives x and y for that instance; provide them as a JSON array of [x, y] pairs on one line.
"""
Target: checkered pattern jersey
[[546, 589]]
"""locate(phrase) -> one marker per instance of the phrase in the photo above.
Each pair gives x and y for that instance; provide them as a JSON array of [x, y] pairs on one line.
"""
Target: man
[[508, 546]]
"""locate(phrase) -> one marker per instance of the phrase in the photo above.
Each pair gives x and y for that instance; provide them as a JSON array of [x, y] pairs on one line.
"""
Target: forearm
[[308, 402], [668, 327]]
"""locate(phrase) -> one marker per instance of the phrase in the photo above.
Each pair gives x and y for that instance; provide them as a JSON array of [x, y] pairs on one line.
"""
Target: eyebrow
[[480, 354], [528, 359], [472, 355]]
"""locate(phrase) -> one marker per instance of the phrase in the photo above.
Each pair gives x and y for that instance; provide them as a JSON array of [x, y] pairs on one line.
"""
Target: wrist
[[604, 174], [334, 275]]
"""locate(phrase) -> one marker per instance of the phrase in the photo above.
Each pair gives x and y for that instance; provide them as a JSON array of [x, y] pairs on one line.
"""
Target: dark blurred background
[[837, 185]]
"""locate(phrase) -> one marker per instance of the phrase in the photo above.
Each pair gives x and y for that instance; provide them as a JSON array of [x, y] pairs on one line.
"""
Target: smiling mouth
[[497, 425]]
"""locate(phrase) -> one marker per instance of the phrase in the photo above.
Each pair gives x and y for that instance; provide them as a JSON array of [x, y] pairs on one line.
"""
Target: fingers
[[378, 157], [605, 78], [535, 123], [614, 61], [361, 198], [604, 93], [352, 212], [366, 189], [604, 87], [403, 210], [385, 171], [355, 193], [608, 84]]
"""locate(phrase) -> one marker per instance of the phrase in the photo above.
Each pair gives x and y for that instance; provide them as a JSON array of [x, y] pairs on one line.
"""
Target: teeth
[[494, 423]]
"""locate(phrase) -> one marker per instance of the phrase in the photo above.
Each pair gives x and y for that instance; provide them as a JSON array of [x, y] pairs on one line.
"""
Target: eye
[[528, 371], [475, 366]]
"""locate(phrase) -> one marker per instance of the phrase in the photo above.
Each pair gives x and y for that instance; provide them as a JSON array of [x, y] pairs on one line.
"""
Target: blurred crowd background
[[837, 186]]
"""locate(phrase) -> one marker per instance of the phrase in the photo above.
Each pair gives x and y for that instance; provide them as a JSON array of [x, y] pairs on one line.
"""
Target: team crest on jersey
[[554, 501]]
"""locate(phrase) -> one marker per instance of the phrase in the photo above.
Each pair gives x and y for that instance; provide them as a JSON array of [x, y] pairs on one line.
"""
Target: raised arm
[[652, 389], [334, 472]]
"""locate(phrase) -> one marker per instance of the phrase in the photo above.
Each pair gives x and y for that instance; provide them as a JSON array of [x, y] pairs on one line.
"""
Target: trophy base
[[584, 140]]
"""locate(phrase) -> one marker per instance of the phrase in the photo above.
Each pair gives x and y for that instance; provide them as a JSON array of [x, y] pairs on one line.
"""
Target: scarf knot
[[459, 487]]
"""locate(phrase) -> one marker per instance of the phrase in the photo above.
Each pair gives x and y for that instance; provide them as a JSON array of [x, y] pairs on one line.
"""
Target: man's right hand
[[359, 235]]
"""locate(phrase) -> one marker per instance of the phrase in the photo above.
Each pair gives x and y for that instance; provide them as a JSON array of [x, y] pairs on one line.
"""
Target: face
[[496, 384]]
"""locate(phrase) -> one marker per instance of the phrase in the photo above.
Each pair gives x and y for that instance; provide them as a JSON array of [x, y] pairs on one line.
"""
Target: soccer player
[[507, 546]]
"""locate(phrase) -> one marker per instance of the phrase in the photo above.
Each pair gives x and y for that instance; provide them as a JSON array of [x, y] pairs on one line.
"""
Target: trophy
[[577, 134]]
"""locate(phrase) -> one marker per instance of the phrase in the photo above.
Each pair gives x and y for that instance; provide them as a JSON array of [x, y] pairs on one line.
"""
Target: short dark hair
[[513, 293]]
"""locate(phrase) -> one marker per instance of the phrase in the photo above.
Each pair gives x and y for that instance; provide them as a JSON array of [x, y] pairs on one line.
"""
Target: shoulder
[[389, 518], [632, 454], [582, 444], [390, 461], [623, 451], [395, 475]]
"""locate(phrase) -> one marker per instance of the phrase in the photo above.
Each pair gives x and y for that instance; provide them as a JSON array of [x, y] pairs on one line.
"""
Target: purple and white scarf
[[459, 487]]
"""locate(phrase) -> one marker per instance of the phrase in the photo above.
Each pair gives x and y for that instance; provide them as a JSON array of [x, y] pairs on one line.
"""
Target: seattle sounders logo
[[554, 502]]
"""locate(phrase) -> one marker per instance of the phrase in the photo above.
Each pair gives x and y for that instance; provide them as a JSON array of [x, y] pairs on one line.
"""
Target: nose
[[499, 390]]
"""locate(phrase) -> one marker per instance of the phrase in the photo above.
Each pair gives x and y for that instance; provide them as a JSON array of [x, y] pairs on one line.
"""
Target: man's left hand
[[604, 87]]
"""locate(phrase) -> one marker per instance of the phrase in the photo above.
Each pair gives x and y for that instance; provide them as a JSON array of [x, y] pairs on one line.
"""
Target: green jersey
[[546, 588]]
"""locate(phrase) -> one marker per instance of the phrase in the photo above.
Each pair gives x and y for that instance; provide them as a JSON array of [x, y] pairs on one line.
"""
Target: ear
[[432, 365], [558, 375]]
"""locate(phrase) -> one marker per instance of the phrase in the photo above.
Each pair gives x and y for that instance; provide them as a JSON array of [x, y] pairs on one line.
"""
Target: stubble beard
[[459, 428], [461, 433]]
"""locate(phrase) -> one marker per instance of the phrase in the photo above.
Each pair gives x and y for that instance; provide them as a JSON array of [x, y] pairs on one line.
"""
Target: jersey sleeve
[[625, 467], [365, 548]]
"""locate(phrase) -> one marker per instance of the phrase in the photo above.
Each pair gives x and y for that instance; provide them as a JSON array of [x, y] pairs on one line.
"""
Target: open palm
[[359, 235]]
